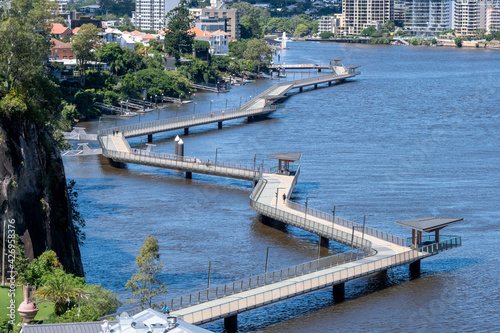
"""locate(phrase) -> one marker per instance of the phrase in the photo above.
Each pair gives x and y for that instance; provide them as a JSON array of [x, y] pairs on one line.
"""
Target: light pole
[[216, 149], [364, 221], [267, 264], [305, 212], [209, 267], [194, 108], [162, 99], [156, 101], [226, 104], [333, 211], [211, 101], [277, 190], [99, 124]]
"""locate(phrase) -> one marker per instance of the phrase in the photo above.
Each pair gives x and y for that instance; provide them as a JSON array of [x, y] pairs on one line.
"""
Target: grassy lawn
[[45, 308]]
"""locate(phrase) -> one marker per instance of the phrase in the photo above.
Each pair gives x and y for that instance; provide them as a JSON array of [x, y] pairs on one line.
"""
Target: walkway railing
[[188, 121], [348, 224], [185, 163]]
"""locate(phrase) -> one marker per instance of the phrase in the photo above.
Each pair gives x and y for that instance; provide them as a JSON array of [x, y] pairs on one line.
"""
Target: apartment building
[[492, 19], [360, 14], [466, 17], [231, 16], [425, 18], [150, 14], [330, 24]]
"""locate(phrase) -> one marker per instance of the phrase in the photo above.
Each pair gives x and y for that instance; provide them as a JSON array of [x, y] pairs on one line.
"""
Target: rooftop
[[428, 224], [286, 156]]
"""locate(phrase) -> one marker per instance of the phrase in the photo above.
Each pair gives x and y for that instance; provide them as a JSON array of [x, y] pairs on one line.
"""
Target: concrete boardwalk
[[373, 250], [381, 255]]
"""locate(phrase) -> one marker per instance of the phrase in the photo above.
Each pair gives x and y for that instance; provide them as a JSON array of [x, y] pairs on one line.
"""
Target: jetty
[[370, 251]]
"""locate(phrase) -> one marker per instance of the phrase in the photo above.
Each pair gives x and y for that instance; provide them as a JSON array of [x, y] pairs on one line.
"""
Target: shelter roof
[[428, 223], [286, 156]]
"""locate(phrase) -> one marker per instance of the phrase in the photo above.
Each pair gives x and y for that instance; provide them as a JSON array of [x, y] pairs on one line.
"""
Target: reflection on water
[[415, 135]]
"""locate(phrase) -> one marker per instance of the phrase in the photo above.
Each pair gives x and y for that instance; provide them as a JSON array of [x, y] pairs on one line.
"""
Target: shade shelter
[[426, 224], [284, 160]]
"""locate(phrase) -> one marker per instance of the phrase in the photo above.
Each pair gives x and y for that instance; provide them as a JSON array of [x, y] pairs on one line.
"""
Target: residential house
[[61, 50], [219, 40], [59, 31]]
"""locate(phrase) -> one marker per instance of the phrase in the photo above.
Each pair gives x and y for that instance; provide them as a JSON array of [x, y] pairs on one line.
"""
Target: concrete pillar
[[189, 175], [319, 70], [300, 89], [176, 142], [231, 324], [329, 83], [339, 292], [324, 242], [220, 124], [315, 86], [180, 149], [415, 269], [186, 131], [250, 118], [150, 138]]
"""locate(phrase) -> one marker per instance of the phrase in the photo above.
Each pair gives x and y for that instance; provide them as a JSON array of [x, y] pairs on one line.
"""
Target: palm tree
[[60, 290]]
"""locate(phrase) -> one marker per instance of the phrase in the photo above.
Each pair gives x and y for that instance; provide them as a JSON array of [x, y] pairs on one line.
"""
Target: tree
[[177, 39], [326, 35], [370, 31], [301, 30], [101, 299], [250, 27], [113, 55], [458, 41], [83, 45], [146, 283], [258, 52], [60, 289]]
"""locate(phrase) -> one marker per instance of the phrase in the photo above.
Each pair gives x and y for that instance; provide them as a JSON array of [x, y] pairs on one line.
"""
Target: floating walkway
[[371, 250]]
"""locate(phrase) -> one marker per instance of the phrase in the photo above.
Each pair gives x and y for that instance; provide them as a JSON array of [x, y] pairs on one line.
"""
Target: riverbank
[[392, 41]]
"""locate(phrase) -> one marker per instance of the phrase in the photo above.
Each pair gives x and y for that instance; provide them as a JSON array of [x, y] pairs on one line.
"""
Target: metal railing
[[313, 283], [185, 163], [188, 121]]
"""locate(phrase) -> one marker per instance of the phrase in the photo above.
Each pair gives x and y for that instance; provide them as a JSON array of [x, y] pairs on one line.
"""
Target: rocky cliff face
[[33, 192]]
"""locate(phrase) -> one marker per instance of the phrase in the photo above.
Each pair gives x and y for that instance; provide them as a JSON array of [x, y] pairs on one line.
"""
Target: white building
[[150, 321], [428, 17], [330, 24], [150, 14], [492, 19], [471, 15], [219, 40]]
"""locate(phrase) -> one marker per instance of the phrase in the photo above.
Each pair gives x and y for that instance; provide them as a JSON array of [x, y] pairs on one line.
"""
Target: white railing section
[[188, 121], [281, 292]]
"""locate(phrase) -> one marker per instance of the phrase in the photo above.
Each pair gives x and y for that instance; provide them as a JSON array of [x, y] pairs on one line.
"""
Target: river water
[[416, 134]]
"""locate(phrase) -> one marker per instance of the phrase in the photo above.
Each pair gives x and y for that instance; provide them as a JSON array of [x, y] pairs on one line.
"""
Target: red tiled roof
[[149, 36], [59, 45], [75, 31], [220, 32], [57, 28], [136, 33], [199, 33]]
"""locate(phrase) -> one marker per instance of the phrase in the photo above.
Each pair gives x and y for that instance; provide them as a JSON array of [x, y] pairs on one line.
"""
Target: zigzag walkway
[[371, 250]]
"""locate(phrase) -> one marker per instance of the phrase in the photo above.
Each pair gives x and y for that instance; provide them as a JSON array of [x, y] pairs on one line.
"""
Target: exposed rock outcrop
[[33, 191]]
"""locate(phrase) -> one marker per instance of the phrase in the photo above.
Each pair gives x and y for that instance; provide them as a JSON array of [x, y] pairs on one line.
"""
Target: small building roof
[[57, 28], [86, 327], [75, 31], [199, 33], [57, 44], [428, 224], [286, 156], [220, 32]]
